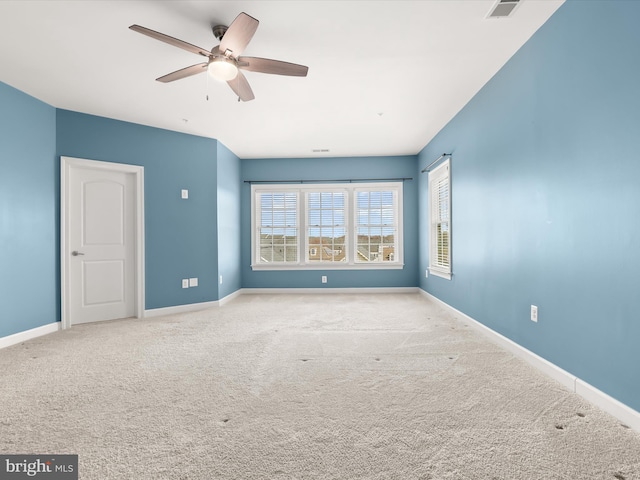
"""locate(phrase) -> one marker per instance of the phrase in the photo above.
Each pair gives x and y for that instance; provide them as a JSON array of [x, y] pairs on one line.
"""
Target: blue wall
[[229, 239], [28, 239], [180, 235], [546, 197], [328, 169]]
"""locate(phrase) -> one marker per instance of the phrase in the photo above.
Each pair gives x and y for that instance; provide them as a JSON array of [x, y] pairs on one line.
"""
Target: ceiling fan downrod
[[219, 31]]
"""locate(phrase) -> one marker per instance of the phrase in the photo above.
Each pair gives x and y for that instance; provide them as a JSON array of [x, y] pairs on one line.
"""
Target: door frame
[[66, 164]]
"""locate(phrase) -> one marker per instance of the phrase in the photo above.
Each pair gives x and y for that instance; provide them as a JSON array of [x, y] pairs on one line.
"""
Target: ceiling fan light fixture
[[222, 69], [223, 61]]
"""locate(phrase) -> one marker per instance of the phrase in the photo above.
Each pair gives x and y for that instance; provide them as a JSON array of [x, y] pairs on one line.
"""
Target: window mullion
[[350, 226], [303, 231], [255, 248]]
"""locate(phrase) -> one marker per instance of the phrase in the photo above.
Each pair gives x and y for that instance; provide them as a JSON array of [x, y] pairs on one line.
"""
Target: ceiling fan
[[224, 61]]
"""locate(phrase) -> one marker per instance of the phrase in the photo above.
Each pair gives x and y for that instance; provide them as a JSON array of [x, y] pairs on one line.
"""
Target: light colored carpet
[[366, 386]]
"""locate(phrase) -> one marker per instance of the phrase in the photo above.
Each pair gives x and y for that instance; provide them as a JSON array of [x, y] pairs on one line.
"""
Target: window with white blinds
[[327, 226], [440, 221], [377, 227], [277, 227]]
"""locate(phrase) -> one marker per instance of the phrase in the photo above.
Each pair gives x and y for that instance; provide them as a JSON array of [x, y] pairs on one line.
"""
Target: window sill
[[438, 273], [328, 266]]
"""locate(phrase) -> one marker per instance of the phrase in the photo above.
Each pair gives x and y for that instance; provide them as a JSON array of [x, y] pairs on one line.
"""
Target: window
[[440, 221], [278, 228], [376, 227], [327, 226]]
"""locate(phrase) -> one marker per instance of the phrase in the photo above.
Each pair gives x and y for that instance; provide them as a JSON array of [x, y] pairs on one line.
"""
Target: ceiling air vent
[[503, 8]]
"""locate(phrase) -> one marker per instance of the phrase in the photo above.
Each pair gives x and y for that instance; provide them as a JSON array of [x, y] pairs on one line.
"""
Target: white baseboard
[[29, 334], [322, 290], [157, 312], [191, 307], [228, 298], [622, 412], [617, 409]]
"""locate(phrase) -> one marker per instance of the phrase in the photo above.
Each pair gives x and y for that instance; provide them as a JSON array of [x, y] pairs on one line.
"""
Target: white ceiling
[[384, 76]]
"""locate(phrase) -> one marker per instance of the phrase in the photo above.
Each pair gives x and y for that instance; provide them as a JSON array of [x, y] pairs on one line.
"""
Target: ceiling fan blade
[[184, 72], [239, 34], [241, 87], [170, 40], [276, 67]]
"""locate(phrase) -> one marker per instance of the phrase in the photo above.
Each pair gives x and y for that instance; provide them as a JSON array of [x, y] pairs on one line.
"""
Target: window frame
[[396, 195], [257, 209], [305, 194], [350, 219], [436, 176]]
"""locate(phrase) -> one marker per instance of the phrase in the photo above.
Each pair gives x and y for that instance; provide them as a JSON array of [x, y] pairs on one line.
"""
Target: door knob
[[75, 253]]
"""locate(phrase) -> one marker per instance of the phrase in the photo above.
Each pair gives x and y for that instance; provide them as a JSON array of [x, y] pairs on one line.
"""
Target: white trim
[[548, 368], [273, 266], [66, 163], [622, 412], [321, 290], [228, 298], [438, 273], [20, 337], [190, 307], [617, 409]]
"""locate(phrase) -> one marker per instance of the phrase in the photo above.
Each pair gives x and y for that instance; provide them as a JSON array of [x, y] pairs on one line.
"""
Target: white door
[[100, 246]]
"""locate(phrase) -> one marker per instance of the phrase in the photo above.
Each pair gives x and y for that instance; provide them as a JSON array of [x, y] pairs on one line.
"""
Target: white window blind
[[376, 225], [440, 221], [278, 227], [326, 227]]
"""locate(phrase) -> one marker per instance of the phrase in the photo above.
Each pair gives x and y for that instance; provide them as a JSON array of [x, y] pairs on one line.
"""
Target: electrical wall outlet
[[184, 193], [534, 313], [324, 279], [193, 282], [185, 283]]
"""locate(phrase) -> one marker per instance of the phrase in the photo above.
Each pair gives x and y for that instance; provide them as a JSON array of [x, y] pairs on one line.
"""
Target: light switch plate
[[185, 283], [185, 193]]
